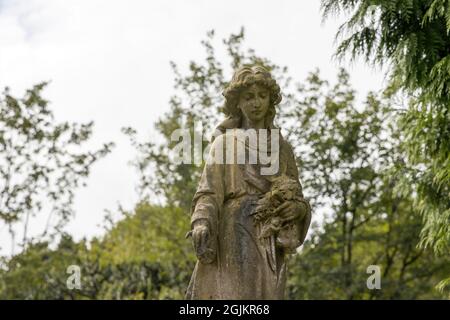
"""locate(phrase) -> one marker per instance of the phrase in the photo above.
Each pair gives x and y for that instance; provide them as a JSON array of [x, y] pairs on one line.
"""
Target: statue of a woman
[[243, 222]]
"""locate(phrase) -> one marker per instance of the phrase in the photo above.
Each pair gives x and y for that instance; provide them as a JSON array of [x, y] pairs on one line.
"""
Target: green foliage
[[41, 163], [389, 242], [151, 233], [144, 256], [153, 236], [39, 272], [412, 35], [347, 154], [414, 38]]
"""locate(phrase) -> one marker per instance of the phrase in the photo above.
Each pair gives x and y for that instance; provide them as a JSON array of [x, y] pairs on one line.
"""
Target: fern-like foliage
[[412, 37]]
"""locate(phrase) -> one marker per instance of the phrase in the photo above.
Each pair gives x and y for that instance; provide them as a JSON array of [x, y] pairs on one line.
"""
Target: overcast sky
[[108, 61]]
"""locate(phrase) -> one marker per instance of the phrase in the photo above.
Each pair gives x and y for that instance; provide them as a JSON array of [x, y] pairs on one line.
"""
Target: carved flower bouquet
[[286, 234]]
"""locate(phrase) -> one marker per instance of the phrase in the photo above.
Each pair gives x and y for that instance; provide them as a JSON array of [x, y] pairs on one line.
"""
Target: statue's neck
[[248, 124]]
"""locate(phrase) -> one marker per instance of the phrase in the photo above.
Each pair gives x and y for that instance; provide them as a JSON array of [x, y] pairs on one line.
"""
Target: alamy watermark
[[74, 280], [235, 146], [374, 280]]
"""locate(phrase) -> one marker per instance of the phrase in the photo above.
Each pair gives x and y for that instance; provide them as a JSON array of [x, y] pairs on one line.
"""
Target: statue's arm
[[208, 199], [206, 205]]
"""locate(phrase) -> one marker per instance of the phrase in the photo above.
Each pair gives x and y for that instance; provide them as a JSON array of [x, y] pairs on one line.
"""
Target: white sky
[[108, 61]]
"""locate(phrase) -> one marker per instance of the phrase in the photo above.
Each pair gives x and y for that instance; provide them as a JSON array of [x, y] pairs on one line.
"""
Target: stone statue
[[244, 223]]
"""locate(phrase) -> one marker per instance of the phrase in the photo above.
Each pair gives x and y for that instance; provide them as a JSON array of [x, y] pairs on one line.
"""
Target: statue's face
[[254, 102]]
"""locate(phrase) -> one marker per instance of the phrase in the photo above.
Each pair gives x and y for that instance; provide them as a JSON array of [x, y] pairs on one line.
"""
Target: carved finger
[[289, 218], [284, 205], [289, 210]]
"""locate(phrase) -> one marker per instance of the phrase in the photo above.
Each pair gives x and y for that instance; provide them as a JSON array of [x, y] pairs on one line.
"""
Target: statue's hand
[[201, 237], [290, 211]]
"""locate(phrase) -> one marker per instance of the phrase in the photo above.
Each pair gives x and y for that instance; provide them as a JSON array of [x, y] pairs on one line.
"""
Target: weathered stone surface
[[244, 223]]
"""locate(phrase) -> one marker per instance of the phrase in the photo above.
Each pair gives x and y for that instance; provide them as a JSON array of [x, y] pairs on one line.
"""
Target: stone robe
[[245, 267]]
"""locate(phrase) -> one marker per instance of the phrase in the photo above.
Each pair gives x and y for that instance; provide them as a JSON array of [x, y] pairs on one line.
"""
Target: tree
[[151, 238], [346, 155], [143, 256], [413, 37], [41, 162], [39, 272]]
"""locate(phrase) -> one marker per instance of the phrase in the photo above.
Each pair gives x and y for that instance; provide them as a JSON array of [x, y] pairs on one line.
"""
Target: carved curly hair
[[245, 77]]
